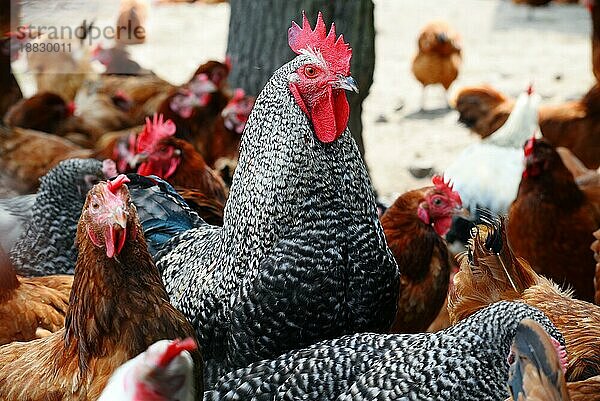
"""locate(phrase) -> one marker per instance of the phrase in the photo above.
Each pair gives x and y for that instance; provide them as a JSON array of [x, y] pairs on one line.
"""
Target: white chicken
[[487, 174], [164, 372]]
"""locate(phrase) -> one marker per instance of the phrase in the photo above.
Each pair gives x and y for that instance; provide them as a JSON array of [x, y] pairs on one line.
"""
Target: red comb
[[336, 52], [530, 89], [71, 108], [446, 188], [117, 183], [154, 130], [562, 354], [528, 149], [176, 348], [238, 94], [119, 94], [96, 50], [20, 34]]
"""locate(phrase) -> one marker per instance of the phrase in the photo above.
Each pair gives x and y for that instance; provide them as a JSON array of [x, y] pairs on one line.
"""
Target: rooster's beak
[[347, 83]]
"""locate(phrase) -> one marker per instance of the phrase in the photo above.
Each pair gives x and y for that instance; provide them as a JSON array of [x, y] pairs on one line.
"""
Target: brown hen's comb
[[117, 183], [335, 51], [176, 348], [446, 188], [154, 130], [529, 145], [530, 89]]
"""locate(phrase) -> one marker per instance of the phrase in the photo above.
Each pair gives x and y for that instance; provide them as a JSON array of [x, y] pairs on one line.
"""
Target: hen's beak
[[115, 233], [441, 37], [347, 83], [138, 159], [461, 211], [120, 217]]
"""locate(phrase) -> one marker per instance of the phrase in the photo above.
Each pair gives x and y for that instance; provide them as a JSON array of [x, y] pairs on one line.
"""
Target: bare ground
[[500, 46]]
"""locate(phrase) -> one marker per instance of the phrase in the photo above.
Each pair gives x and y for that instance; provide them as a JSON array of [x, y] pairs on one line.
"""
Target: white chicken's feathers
[[520, 125], [122, 385], [487, 174]]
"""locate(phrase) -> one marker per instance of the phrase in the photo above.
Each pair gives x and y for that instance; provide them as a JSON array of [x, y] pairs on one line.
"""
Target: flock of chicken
[[136, 265]]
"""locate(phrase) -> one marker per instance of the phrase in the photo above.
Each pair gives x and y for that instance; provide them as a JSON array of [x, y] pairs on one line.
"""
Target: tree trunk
[[258, 45]]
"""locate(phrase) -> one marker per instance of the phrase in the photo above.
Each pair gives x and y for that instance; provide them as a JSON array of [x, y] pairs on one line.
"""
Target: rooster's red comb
[[154, 130], [117, 183], [176, 348], [335, 51], [446, 188]]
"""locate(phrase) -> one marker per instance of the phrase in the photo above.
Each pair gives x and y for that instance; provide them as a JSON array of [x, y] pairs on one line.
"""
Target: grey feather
[[47, 245], [466, 362], [15, 213]]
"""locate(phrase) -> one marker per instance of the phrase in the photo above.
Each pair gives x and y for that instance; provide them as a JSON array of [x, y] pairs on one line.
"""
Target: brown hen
[[176, 160], [438, 58], [490, 272], [413, 227], [118, 307], [27, 155], [30, 308], [552, 220], [48, 112]]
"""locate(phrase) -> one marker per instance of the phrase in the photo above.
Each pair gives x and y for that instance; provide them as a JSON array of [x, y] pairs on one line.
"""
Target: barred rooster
[[301, 255], [466, 362]]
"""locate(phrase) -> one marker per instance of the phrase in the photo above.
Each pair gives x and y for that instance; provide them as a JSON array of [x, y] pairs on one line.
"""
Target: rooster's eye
[[95, 205], [310, 72]]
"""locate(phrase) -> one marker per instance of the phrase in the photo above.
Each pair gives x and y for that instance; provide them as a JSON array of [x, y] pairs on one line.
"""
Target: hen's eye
[[95, 205], [437, 201], [310, 72]]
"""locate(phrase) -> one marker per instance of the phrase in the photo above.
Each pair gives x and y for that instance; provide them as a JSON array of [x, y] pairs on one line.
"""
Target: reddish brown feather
[[423, 261], [487, 277], [118, 307]]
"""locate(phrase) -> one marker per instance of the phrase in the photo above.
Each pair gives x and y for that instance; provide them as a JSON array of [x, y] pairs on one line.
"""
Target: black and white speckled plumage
[[301, 256], [466, 362], [47, 245], [15, 212]]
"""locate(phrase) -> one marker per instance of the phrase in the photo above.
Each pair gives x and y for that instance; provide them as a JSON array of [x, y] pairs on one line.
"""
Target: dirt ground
[[501, 46]]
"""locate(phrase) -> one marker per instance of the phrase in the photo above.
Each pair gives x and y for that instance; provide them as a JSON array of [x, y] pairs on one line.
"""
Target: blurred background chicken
[[438, 58], [27, 155], [574, 125], [30, 308], [487, 174], [131, 23]]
